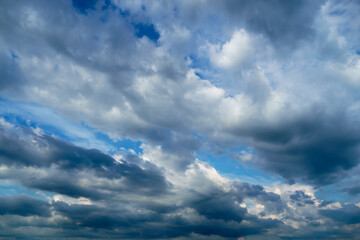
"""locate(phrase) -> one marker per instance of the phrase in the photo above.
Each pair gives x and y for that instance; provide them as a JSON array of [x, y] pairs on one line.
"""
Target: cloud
[[277, 80], [234, 53], [11, 74], [24, 205], [354, 190], [147, 97], [90, 194], [106, 194], [281, 21], [128, 86], [301, 198], [348, 214], [309, 149], [23, 154]]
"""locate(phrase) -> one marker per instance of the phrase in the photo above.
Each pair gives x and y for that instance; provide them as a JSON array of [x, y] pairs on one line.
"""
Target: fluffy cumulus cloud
[[179, 119]]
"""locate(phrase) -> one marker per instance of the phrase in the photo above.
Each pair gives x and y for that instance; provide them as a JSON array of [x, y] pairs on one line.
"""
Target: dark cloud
[[317, 149], [65, 183], [355, 190], [348, 214], [129, 194], [65, 163], [24, 205], [10, 74], [141, 225], [142, 205], [301, 198], [325, 203], [284, 22], [232, 230], [272, 202], [225, 205], [219, 206], [103, 217], [61, 167]]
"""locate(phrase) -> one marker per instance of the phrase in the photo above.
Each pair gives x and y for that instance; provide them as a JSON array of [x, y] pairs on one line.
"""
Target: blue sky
[[179, 119]]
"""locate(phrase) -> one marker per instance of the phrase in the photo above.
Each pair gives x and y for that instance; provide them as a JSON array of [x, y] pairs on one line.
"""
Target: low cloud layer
[[86, 193]]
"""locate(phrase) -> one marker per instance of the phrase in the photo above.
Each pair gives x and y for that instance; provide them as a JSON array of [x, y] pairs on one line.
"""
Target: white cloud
[[235, 54]]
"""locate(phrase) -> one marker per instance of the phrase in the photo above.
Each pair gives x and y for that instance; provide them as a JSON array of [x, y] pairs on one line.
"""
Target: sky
[[181, 120]]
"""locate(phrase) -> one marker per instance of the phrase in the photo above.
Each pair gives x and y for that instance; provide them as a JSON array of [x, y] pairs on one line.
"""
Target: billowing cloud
[[122, 196]]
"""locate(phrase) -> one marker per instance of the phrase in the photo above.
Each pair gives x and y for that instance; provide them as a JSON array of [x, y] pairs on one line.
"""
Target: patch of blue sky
[[35, 115], [8, 188], [146, 29], [233, 169], [333, 193], [83, 6], [337, 12], [124, 13], [108, 4], [204, 70], [198, 63], [142, 28], [339, 191], [13, 54], [125, 145]]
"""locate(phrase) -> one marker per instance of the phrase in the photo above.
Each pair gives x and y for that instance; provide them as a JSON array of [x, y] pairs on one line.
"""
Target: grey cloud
[[142, 208], [301, 198], [24, 205], [272, 202], [286, 24], [225, 205], [325, 203], [282, 21], [232, 230], [219, 206], [353, 191], [100, 217], [64, 183], [317, 148], [184, 147], [10, 74], [64, 163], [140, 225], [133, 209], [348, 214]]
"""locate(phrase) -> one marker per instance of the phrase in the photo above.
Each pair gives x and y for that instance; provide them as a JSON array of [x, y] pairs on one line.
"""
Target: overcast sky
[[184, 119]]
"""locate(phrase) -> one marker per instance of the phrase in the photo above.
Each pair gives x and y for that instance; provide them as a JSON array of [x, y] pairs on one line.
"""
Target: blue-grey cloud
[[348, 214], [24, 205], [68, 160], [285, 23], [129, 194]]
